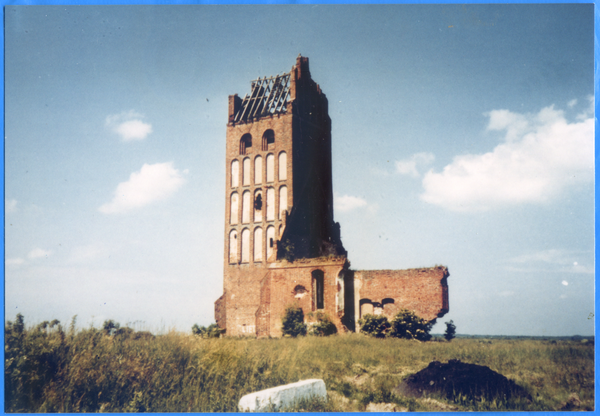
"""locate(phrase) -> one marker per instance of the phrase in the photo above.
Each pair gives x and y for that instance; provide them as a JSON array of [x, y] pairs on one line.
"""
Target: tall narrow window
[[270, 168], [246, 172], [270, 204], [282, 200], [245, 144], [267, 139], [282, 166], [246, 207], [258, 205], [270, 240], [233, 247], [233, 211], [258, 244], [235, 173], [318, 287], [258, 171], [245, 245]]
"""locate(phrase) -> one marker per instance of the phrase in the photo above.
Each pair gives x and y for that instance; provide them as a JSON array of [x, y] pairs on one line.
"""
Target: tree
[[409, 326], [374, 325], [293, 322], [450, 331], [323, 327]]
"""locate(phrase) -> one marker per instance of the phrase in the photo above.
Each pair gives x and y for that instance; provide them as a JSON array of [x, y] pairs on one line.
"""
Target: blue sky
[[463, 135]]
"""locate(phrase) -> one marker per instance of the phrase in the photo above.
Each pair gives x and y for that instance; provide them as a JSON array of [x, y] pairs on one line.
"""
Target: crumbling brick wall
[[423, 291]]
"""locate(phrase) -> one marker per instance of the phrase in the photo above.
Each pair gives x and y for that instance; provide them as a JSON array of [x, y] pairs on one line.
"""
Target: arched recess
[[270, 240], [245, 245], [282, 200], [258, 205], [267, 139], [233, 211], [233, 247], [246, 172], [270, 167], [258, 244], [366, 307], [246, 207], [282, 166], [318, 288], [258, 170], [270, 204], [245, 144], [300, 291], [235, 173]]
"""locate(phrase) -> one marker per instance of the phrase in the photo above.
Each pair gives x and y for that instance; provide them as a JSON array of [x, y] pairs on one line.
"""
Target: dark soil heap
[[458, 378]]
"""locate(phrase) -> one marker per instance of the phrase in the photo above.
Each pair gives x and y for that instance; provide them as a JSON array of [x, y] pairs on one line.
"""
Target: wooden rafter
[[268, 96]]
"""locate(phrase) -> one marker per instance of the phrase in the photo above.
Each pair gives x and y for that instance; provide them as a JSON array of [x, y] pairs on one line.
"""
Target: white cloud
[[346, 203], [129, 125], [418, 160], [572, 103], [14, 262], [551, 260], [10, 206], [37, 253], [541, 156], [152, 183]]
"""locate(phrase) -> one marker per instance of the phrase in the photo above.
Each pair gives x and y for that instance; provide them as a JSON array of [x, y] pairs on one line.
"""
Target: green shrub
[[212, 331], [323, 327], [450, 333], [409, 326], [293, 322], [374, 325]]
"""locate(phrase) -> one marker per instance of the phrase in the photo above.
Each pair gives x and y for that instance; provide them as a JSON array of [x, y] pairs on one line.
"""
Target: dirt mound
[[455, 377]]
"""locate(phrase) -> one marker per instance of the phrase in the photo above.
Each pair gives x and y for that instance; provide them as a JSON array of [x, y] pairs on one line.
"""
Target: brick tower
[[282, 246], [279, 198]]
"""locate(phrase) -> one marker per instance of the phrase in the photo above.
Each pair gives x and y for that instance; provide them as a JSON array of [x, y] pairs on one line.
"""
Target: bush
[[293, 322], [374, 325], [323, 327], [212, 331], [450, 331], [408, 325]]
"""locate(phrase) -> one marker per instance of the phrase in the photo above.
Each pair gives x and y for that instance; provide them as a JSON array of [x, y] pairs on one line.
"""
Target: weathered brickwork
[[281, 244], [423, 291]]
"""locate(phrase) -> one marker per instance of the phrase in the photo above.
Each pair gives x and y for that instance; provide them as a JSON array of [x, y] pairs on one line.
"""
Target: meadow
[[49, 368]]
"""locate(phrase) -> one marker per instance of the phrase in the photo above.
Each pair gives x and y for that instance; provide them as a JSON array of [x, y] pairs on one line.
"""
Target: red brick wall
[[423, 291], [284, 277]]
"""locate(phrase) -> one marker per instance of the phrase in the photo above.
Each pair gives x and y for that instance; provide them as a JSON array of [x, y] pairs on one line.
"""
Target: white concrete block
[[283, 396]]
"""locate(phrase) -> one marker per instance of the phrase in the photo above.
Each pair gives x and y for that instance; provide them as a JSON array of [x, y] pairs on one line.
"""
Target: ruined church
[[282, 245]]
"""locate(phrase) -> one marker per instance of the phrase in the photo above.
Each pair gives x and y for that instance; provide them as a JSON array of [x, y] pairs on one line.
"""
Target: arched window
[[258, 244], [245, 245], [318, 278], [233, 246], [246, 207], [258, 170], [366, 307], [233, 211], [270, 204], [282, 166], [245, 144], [246, 172], [267, 139], [270, 240], [258, 205], [282, 200], [235, 173], [270, 167]]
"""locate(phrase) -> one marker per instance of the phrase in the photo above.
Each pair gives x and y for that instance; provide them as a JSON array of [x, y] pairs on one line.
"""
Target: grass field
[[51, 369]]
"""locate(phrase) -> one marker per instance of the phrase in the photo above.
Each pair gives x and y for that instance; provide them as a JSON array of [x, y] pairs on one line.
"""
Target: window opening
[[318, 278], [245, 144]]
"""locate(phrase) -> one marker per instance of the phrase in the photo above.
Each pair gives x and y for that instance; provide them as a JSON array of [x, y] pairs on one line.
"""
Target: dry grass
[[51, 370]]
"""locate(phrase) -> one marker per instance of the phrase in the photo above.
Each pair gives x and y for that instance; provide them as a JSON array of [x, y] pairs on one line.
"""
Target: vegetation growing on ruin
[[49, 368]]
